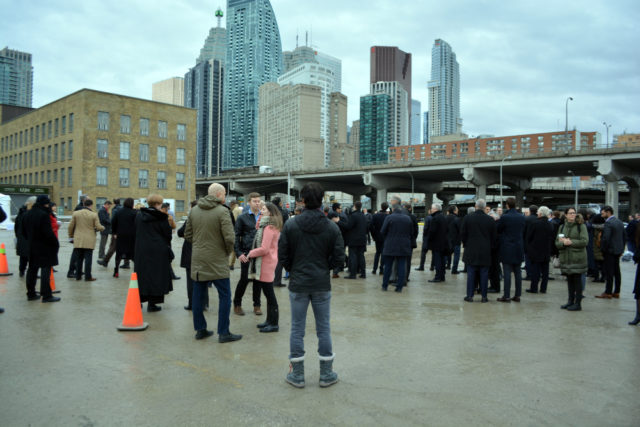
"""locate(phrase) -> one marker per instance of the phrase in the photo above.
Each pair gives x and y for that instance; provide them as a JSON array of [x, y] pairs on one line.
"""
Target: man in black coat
[[376, 225], [538, 246], [342, 222], [43, 249], [105, 220], [414, 236], [612, 246], [511, 249], [397, 231], [529, 219], [438, 241], [245, 232], [453, 224], [425, 240], [357, 242], [478, 233]]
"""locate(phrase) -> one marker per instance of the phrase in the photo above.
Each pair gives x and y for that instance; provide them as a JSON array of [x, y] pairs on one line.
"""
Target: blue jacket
[[398, 233], [511, 227]]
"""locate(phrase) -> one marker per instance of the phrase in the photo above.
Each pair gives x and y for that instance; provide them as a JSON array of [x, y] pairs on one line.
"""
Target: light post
[[607, 126], [412, 187], [566, 120], [501, 164], [577, 183]]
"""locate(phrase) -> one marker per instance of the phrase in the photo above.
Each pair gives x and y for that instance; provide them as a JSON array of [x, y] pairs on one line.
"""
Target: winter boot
[[327, 376], [637, 319], [572, 298], [576, 305], [295, 377], [272, 320]]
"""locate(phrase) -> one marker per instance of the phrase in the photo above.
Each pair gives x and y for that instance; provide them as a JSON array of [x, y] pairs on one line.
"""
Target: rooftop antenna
[[306, 38], [219, 15], [296, 38]]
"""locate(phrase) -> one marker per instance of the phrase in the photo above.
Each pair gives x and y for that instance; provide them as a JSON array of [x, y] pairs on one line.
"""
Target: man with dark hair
[[310, 246], [245, 232], [438, 238], [612, 246], [398, 232], [376, 225], [453, 224], [511, 249], [105, 220], [357, 242], [82, 229], [478, 233]]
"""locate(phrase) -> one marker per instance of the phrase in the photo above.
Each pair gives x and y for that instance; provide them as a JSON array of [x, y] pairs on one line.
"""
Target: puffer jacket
[[210, 231], [573, 258]]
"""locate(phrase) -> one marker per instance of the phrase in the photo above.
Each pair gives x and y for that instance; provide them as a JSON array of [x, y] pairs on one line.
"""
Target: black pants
[[612, 271], [85, 255], [32, 279], [408, 268], [539, 273], [272, 302], [574, 286], [378, 255], [72, 262], [423, 256], [24, 260], [356, 260], [241, 287], [277, 279], [439, 260]]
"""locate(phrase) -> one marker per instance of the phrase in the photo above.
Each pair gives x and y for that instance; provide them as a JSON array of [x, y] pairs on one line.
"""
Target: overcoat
[[42, 243], [152, 253], [478, 233]]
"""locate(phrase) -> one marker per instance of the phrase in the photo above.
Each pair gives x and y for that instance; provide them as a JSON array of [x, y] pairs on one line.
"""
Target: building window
[[55, 153], [37, 133], [49, 130], [69, 202], [143, 178], [181, 130], [31, 158], [180, 156], [100, 201], [103, 148], [62, 149], [162, 179], [125, 150], [69, 178], [43, 130], [124, 177], [101, 175], [36, 157], [162, 129], [48, 154], [179, 181], [70, 149], [103, 120], [55, 175], [144, 127], [31, 136], [64, 124], [162, 154], [62, 178], [125, 124], [56, 123], [48, 177], [144, 152], [179, 205], [70, 122]]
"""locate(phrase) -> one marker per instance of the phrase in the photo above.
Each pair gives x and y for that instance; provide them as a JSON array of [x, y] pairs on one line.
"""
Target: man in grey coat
[[612, 246]]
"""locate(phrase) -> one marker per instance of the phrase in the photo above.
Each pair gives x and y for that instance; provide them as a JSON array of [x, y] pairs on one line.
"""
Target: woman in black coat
[[123, 228], [153, 253], [22, 245]]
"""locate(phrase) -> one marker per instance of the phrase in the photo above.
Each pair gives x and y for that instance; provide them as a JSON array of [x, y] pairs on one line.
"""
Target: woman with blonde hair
[[264, 258]]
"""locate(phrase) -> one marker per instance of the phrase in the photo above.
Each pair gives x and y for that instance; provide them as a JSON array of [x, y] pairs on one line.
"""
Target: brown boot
[[257, 311], [238, 310]]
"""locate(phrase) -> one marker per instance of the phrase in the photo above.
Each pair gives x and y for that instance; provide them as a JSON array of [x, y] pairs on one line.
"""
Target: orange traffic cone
[[132, 320], [52, 283], [4, 267]]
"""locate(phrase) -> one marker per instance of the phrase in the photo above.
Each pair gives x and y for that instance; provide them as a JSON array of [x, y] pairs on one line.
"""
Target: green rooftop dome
[[219, 13]]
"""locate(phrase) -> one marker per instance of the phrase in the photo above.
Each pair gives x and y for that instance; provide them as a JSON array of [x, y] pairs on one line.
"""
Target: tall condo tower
[[390, 64], [444, 91], [16, 78], [254, 57]]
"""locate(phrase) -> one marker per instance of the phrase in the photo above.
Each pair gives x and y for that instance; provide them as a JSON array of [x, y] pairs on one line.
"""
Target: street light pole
[[412, 188], [566, 120], [501, 164], [577, 183], [607, 126]]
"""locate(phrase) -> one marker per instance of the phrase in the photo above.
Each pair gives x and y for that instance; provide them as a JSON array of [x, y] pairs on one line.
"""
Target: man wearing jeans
[[210, 231], [310, 246]]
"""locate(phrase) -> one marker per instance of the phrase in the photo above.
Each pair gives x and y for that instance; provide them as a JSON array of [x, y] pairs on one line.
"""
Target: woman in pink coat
[[264, 258]]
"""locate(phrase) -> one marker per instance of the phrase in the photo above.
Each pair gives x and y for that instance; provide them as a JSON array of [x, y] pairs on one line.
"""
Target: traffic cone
[[4, 267], [132, 320], [52, 283]]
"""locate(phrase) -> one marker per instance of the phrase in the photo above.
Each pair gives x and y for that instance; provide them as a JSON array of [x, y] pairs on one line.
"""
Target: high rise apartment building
[[416, 122], [342, 152], [203, 90], [104, 145], [289, 130], [444, 91], [305, 54], [323, 77], [169, 91], [254, 57], [390, 64], [16, 78], [425, 128], [375, 132], [399, 114]]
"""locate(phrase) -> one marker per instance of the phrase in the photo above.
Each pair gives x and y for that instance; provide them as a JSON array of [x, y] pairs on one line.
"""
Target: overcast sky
[[519, 60]]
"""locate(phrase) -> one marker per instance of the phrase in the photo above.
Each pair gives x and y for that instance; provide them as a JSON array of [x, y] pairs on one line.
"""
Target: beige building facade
[[103, 145], [342, 153], [289, 128], [169, 91], [354, 140]]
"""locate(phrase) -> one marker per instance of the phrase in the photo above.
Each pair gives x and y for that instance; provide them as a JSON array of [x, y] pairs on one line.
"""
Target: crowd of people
[[309, 247]]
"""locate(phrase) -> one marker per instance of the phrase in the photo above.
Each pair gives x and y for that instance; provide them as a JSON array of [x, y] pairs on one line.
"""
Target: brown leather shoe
[[515, 299], [335, 276], [238, 310], [504, 299], [605, 296], [616, 295], [257, 311]]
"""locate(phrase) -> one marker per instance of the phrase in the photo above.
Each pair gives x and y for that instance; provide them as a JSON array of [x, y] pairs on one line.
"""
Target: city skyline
[[517, 72]]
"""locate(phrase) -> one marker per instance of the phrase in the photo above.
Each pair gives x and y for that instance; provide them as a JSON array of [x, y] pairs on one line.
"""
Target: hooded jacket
[[310, 246], [210, 231]]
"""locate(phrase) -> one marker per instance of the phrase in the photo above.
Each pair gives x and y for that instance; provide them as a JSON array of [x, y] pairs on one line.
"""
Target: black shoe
[[373, 272], [229, 338], [21, 274], [270, 328], [468, 299], [531, 291], [102, 263], [398, 289], [420, 269], [455, 272], [362, 276], [2, 311], [33, 297], [435, 281], [51, 299], [152, 308], [349, 277], [432, 269], [634, 322], [262, 325], [574, 307], [485, 299], [203, 333], [187, 307], [175, 277], [71, 275], [384, 288], [381, 272]]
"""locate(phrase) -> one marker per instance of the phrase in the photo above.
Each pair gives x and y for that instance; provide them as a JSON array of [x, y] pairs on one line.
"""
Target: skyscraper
[[390, 64], [254, 57], [398, 114], [416, 122], [203, 90], [444, 91], [16, 78], [425, 128], [375, 134]]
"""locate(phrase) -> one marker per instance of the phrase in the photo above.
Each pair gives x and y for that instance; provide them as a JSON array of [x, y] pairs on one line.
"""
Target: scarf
[[255, 264]]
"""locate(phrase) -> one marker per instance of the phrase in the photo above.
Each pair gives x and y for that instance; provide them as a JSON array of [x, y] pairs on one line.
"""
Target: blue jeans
[[483, 273], [401, 263], [321, 305], [517, 274], [224, 305]]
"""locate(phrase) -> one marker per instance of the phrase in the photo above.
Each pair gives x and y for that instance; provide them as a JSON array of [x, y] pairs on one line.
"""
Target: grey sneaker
[[295, 377], [327, 376]]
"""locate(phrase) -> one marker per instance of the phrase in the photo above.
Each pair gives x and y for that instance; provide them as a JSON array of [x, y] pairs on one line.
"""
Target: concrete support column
[[611, 195], [481, 191], [428, 200], [634, 200], [381, 196], [520, 198]]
